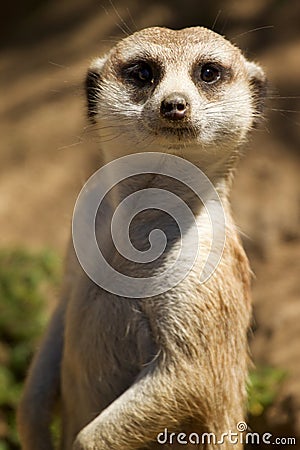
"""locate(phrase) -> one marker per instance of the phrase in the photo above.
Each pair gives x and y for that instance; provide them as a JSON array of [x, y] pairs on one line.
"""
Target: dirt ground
[[46, 153]]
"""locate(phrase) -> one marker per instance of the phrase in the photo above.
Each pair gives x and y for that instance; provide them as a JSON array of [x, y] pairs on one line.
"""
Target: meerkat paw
[[84, 441]]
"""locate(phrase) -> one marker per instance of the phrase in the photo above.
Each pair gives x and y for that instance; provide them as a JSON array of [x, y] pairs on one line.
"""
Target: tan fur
[[129, 368]]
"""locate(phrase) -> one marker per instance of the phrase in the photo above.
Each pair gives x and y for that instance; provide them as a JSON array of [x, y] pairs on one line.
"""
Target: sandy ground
[[46, 154]]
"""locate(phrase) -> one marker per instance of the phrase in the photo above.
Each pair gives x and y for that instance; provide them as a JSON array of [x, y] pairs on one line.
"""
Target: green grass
[[264, 384], [27, 281]]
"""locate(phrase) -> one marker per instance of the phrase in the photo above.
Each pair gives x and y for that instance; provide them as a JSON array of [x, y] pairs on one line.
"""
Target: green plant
[[27, 281], [263, 388]]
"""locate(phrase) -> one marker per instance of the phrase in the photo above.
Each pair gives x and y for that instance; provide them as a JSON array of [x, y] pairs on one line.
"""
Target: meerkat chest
[[149, 234], [155, 241]]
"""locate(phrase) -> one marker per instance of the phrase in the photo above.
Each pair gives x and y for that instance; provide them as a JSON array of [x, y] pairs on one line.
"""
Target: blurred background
[[46, 155]]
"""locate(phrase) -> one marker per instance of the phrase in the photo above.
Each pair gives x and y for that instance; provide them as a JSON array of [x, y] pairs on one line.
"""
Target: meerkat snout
[[174, 107]]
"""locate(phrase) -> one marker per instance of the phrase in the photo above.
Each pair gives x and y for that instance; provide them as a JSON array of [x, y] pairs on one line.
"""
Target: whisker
[[216, 19], [128, 30], [279, 97], [265, 27], [74, 144], [131, 18], [285, 110], [111, 139], [57, 65]]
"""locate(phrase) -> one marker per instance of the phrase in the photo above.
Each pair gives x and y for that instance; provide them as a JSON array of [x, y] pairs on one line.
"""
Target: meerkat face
[[164, 88]]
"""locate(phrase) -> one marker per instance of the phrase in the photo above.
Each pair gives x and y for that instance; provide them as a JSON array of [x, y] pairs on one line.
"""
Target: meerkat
[[127, 369]]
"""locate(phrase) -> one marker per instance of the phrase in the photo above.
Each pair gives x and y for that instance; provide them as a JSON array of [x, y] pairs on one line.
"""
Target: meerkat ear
[[93, 85], [259, 86]]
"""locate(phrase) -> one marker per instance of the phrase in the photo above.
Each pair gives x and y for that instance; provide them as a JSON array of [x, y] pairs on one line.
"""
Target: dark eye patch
[[92, 87]]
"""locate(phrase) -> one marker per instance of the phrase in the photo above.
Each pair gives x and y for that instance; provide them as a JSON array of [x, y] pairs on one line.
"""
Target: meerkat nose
[[174, 107]]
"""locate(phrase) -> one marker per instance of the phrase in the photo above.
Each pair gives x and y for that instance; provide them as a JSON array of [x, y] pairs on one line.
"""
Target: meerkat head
[[161, 89]]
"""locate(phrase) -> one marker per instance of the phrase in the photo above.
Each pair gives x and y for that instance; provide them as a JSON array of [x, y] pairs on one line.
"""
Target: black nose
[[174, 107]]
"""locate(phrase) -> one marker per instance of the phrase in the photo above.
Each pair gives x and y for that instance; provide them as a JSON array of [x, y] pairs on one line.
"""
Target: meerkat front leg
[[135, 419]]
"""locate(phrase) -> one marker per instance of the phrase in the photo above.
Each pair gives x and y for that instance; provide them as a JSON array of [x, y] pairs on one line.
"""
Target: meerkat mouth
[[177, 132]]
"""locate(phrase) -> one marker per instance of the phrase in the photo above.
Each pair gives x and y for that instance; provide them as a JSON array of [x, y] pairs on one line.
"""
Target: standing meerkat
[[128, 369]]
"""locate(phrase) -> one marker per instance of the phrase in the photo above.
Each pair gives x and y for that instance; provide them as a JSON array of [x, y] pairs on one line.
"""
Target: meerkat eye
[[140, 73], [145, 73], [210, 73]]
